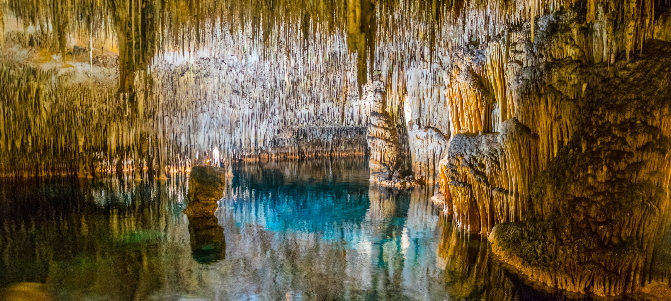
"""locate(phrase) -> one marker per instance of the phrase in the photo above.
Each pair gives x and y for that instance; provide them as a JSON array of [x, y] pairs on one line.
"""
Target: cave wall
[[578, 202], [537, 79]]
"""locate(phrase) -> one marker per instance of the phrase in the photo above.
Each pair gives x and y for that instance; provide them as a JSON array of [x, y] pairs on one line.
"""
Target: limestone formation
[[545, 116], [428, 146], [207, 186], [487, 178], [602, 204], [387, 154], [580, 200]]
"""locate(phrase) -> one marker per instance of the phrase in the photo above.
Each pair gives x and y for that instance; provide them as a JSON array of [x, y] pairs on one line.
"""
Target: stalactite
[[2, 24], [427, 44]]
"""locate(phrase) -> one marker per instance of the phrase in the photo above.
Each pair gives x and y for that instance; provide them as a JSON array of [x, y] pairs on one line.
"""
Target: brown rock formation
[[602, 204], [206, 188], [387, 161], [583, 195], [487, 178]]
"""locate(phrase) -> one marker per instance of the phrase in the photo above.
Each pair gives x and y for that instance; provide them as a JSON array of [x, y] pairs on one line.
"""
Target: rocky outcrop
[[602, 204], [387, 153], [486, 178], [207, 185]]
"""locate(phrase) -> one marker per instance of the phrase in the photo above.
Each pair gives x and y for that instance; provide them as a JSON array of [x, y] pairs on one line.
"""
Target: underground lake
[[314, 230]]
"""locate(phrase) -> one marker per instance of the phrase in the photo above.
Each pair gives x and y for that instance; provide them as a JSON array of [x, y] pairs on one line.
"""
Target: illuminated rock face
[[546, 81], [487, 177], [579, 201], [206, 187], [387, 161], [602, 204]]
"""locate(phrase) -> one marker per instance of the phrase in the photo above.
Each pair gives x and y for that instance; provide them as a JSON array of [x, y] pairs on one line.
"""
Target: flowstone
[[602, 205]]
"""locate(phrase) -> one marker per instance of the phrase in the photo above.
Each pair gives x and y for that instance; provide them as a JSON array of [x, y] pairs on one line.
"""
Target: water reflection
[[310, 231], [208, 244], [321, 233], [88, 239]]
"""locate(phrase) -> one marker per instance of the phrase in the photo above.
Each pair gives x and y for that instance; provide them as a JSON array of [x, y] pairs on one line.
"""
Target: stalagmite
[[206, 188], [387, 161]]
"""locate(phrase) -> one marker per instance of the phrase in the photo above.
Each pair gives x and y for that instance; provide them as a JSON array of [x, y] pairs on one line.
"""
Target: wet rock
[[602, 205], [207, 185]]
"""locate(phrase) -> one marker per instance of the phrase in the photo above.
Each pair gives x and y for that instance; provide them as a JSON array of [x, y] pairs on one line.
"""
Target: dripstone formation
[[545, 124]]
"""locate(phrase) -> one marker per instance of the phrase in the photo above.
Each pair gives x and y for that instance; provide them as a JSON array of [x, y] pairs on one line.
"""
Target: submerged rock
[[26, 291], [206, 188], [208, 243]]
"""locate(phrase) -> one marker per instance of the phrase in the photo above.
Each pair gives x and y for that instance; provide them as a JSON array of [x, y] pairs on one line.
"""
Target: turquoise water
[[284, 231]]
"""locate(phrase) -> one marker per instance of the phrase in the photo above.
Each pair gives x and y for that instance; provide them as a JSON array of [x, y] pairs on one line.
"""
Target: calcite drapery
[[174, 56], [487, 178], [593, 174], [388, 154], [603, 203]]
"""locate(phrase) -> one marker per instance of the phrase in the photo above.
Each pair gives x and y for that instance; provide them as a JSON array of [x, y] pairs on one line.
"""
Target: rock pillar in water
[[206, 188]]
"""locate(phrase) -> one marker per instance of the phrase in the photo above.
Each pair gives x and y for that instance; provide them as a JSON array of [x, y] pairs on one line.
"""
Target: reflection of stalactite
[[470, 270], [383, 202], [98, 235]]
